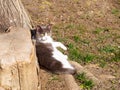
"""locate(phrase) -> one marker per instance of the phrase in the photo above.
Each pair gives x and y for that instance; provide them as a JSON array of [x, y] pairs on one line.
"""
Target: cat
[[47, 53]]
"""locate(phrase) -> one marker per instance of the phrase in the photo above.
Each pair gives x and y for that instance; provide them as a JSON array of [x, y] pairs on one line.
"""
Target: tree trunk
[[18, 62], [12, 13]]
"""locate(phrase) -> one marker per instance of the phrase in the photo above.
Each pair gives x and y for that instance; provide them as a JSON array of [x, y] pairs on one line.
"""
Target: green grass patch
[[115, 11], [85, 83], [88, 58], [70, 46], [107, 49], [81, 28], [102, 63], [85, 41], [76, 55], [75, 27], [56, 27], [54, 77], [117, 56], [76, 38], [99, 30], [62, 39], [70, 26]]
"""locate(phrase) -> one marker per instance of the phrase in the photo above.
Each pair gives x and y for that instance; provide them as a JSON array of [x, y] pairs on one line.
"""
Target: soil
[[51, 81], [89, 15]]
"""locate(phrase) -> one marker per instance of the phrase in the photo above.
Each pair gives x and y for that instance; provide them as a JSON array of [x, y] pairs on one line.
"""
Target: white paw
[[64, 48], [66, 57]]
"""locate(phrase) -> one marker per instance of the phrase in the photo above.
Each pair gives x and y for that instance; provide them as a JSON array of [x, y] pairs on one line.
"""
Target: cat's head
[[43, 32]]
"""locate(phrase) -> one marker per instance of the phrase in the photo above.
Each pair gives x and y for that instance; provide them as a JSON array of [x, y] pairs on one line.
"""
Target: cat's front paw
[[64, 48], [66, 57]]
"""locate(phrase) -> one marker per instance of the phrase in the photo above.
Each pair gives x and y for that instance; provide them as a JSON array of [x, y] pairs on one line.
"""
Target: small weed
[[81, 28], [76, 38], [70, 26], [97, 30], [70, 46], [54, 77], [88, 84], [75, 54], [46, 3], [85, 83], [117, 56], [107, 49], [88, 58], [102, 63], [77, 27], [115, 11], [81, 76], [85, 41], [57, 27], [100, 39], [61, 39]]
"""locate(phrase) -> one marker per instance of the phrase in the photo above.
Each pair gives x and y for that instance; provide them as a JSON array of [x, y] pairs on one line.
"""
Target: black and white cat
[[48, 54]]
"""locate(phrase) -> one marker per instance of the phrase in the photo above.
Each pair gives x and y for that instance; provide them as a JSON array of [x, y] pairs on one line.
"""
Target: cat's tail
[[66, 71]]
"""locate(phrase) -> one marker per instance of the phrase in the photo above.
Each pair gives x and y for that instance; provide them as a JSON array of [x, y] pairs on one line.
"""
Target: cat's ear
[[39, 29], [49, 26]]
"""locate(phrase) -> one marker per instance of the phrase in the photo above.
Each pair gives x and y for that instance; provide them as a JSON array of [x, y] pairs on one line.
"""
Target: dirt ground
[[92, 26]]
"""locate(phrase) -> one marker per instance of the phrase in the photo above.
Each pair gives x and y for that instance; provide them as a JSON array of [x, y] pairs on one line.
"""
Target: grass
[[88, 58], [81, 41], [54, 77], [76, 38], [115, 11], [109, 54], [45, 4], [85, 83], [70, 26], [107, 49], [76, 42], [102, 63], [117, 56], [99, 30], [76, 55], [76, 27], [62, 39], [85, 41]]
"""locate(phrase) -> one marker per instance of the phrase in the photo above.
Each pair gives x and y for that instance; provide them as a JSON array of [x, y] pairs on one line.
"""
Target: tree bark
[[12, 13], [18, 62]]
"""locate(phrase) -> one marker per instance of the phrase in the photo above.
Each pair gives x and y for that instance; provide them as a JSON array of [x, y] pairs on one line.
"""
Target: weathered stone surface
[[18, 69], [70, 82], [81, 69]]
